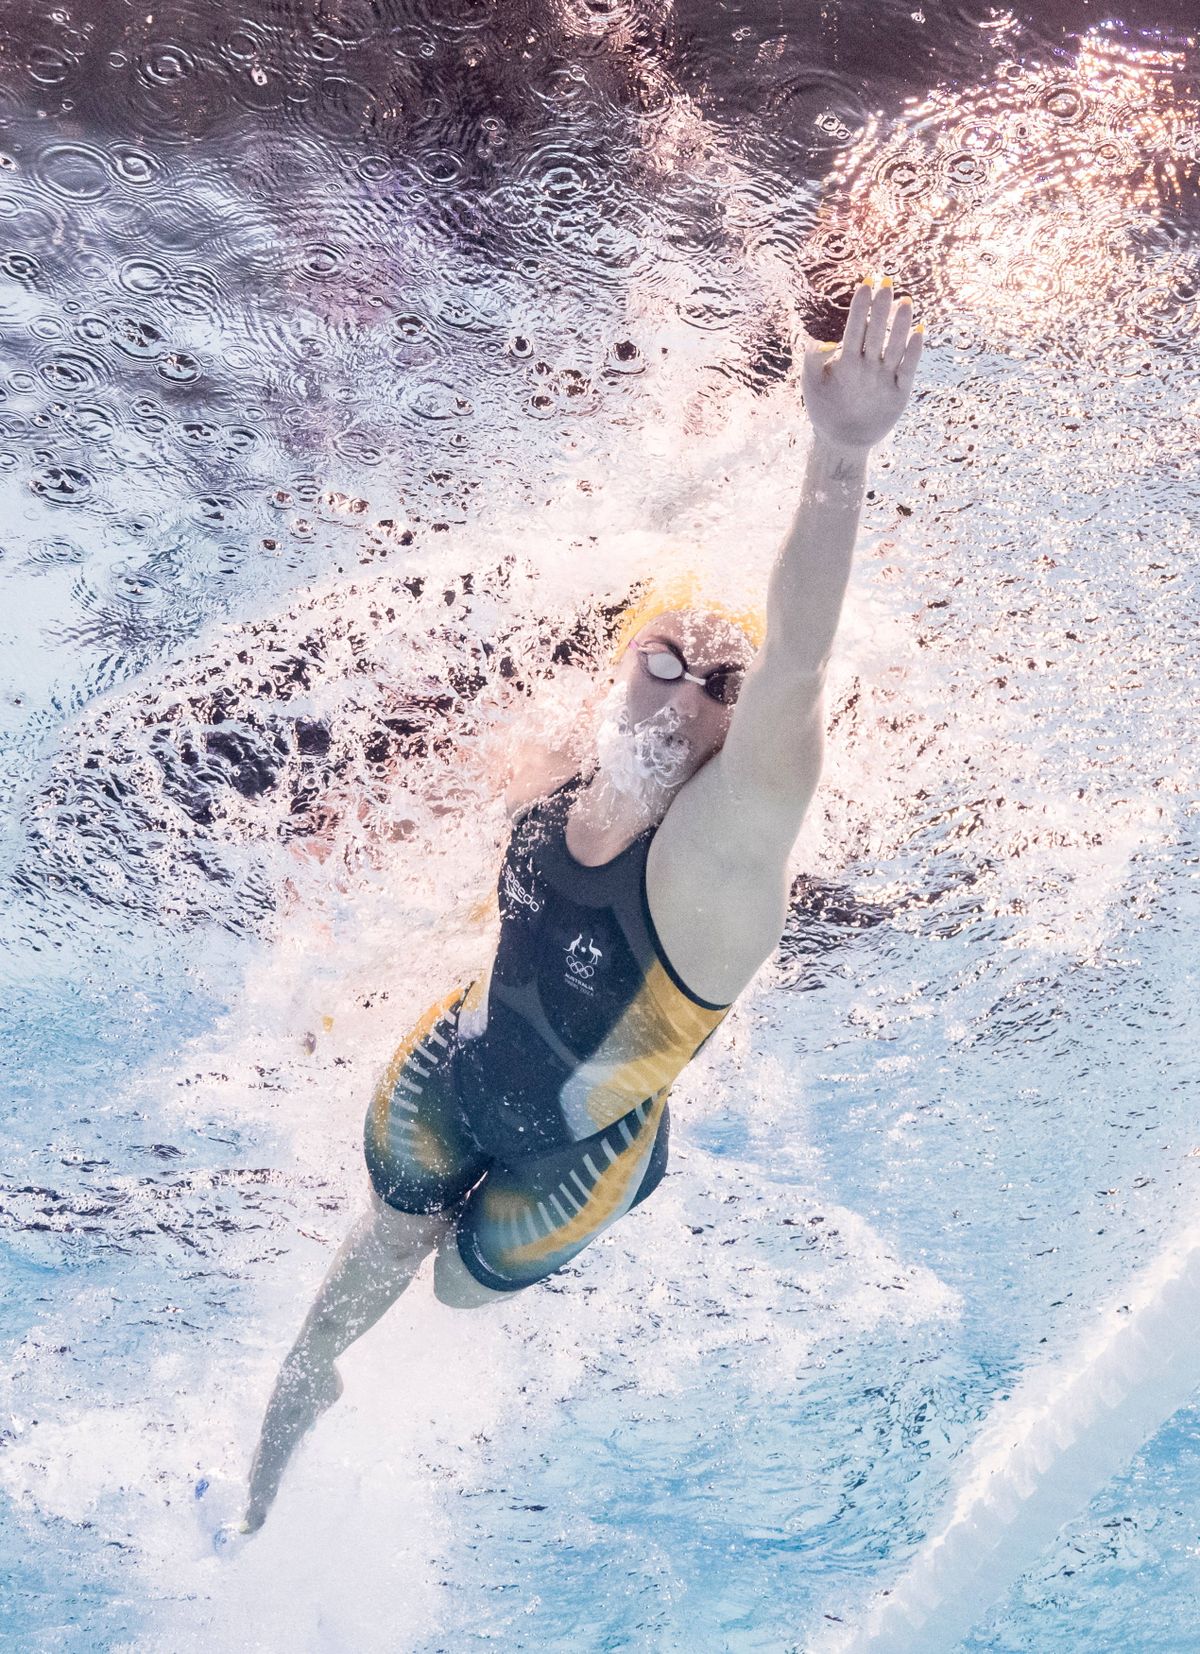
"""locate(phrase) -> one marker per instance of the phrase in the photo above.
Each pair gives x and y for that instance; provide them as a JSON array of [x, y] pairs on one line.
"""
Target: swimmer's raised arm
[[854, 394], [733, 824]]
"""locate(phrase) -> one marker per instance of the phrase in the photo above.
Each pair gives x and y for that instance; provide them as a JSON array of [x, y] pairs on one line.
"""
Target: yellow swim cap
[[658, 596]]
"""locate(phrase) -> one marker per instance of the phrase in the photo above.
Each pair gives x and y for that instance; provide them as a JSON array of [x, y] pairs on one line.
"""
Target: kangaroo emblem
[[582, 960]]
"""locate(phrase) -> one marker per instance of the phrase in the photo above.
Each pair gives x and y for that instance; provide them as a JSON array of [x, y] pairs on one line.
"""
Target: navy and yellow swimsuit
[[539, 1092]]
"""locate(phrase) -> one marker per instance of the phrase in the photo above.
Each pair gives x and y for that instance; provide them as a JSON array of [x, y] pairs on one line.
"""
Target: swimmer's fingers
[[855, 332], [877, 321], [906, 373], [893, 351]]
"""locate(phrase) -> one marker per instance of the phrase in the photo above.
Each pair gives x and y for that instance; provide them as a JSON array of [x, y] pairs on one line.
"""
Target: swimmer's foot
[[216, 1499], [230, 1537]]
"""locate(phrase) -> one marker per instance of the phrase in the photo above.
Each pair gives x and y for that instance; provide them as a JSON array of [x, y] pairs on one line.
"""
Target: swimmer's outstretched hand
[[856, 391]]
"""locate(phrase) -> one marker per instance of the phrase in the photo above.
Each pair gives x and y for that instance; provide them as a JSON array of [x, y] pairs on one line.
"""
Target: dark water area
[[466, 95]]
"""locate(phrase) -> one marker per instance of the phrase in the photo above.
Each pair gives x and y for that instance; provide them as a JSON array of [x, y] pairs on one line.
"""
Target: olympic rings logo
[[581, 961]]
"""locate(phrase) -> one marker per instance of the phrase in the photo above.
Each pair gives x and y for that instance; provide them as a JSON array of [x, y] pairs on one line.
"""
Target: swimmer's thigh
[[419, 1152], [528, 1219]]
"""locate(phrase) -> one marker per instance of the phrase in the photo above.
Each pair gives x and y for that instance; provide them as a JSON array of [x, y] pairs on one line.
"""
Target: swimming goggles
[[662, 660]]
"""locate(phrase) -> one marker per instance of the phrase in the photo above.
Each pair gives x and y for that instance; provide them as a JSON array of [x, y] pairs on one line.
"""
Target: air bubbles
[[138, 337], [54, 552], [180, 367], [710, 309], [410, 328], [134, 166], [831, 125], [92, 329], [72, 373], [48, 65], [164, 64], [336, 506], [261, 87], [437, 401], [322, 261], [62, 484], [74, 172], [519, 346], [625, 357], [442, 167], [141, 275], [1064, 103], [90, 421], [374, 169]]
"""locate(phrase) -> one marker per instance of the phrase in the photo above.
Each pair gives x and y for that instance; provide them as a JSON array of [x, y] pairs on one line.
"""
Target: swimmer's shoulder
[[537, 772]]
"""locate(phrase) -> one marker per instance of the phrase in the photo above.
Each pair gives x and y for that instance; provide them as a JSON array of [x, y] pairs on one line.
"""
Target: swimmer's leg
[[374, 1264], [421, 1162]]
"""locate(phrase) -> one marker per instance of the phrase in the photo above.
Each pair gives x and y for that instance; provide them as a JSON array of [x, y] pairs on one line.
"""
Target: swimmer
[[639, 894]]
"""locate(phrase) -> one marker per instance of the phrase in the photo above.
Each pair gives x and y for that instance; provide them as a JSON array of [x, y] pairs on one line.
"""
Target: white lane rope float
[[1045, 1451]]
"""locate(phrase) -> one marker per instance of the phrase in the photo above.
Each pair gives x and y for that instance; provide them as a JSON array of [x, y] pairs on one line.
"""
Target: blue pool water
[[351, 355]]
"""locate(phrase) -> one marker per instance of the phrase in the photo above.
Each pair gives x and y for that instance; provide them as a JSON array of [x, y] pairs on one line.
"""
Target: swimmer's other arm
[[737, 819], [539, 762]]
